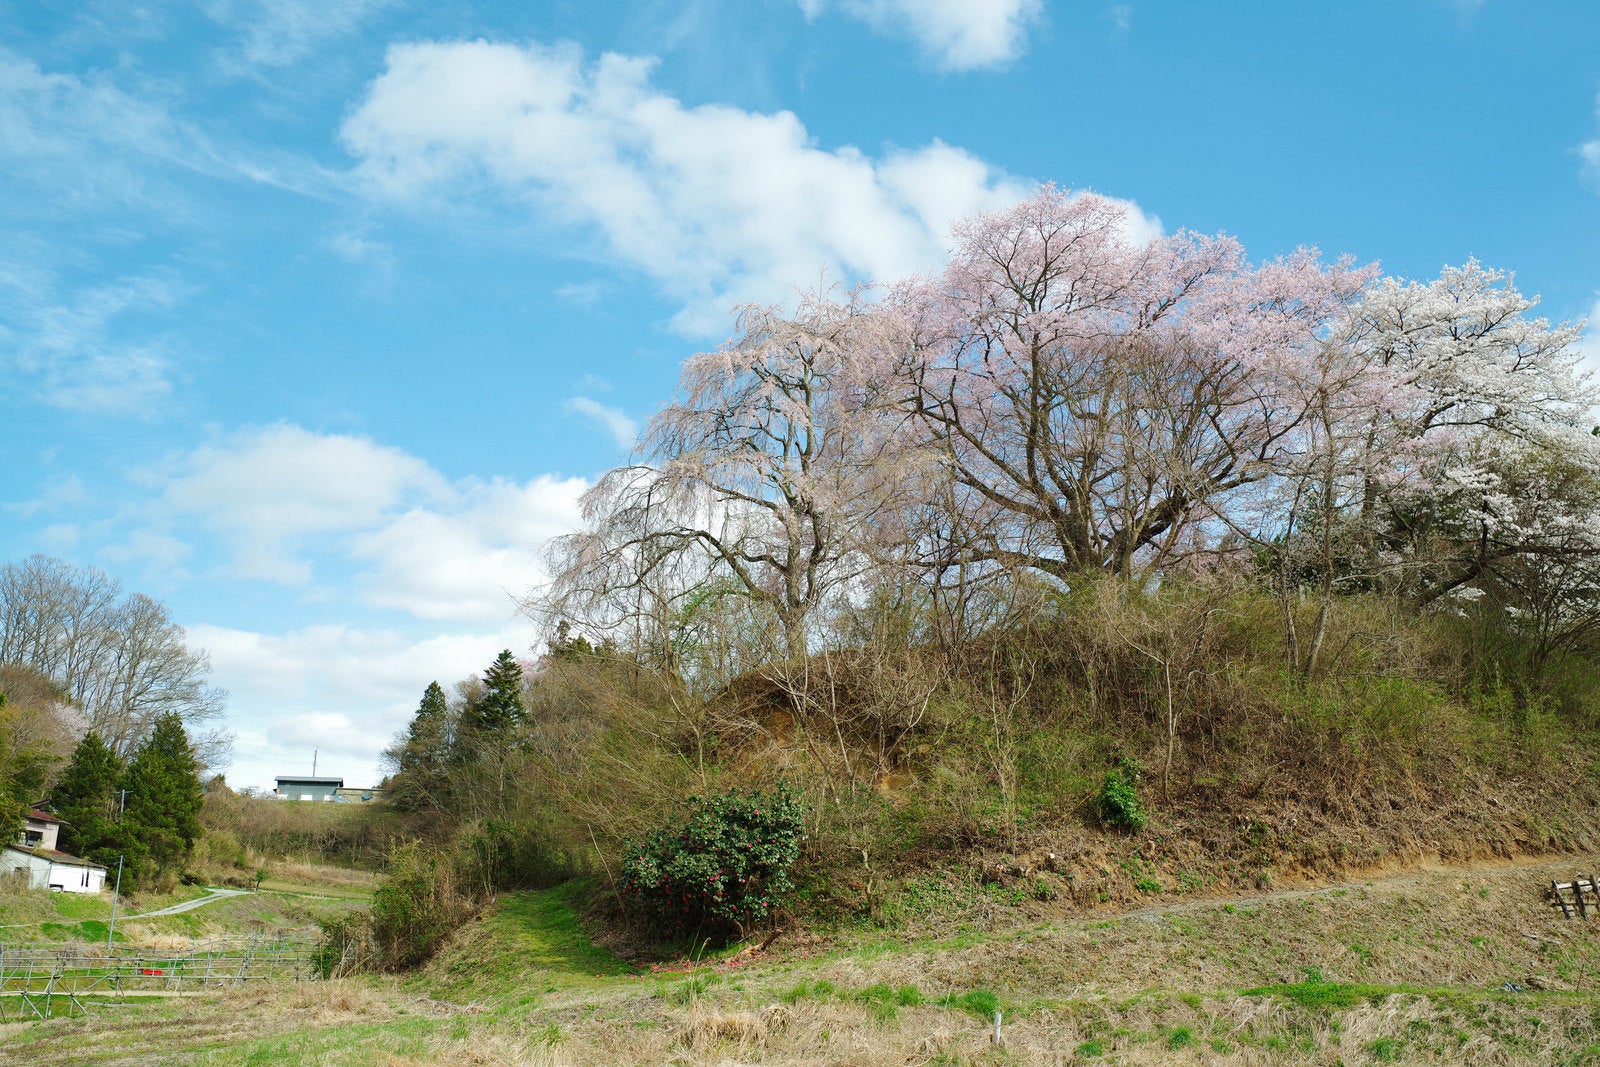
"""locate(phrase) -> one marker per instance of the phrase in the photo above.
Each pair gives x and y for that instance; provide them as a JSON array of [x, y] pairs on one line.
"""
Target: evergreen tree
[[422, 756], [164, 796], [499, 710], [86, 798], [428, 735]]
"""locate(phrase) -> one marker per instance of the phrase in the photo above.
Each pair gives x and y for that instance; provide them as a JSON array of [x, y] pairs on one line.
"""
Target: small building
[[40, 829], [296, 787], [47, 867]]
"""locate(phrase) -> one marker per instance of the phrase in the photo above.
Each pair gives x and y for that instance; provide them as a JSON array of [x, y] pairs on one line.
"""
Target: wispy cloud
[[956, 35], [716, 204], [92, 144], [623, 430], [74, 351], [584, 294], [277, 33], [377, 258]]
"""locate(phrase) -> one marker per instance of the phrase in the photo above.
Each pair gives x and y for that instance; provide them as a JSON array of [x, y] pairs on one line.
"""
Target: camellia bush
[[721, 869]]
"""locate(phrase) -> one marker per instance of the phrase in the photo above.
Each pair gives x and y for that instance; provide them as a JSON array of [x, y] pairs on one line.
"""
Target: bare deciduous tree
[[767, 481], [121, 659]]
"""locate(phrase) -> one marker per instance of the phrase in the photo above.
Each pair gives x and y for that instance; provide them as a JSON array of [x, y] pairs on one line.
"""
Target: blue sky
[[317, 315]]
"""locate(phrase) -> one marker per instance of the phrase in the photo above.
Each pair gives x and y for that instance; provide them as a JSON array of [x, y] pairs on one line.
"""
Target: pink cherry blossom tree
[[1099, 400]]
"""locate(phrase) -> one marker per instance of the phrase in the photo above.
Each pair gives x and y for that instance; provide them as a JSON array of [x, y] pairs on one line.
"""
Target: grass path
[[214, 894], [1403, 968]]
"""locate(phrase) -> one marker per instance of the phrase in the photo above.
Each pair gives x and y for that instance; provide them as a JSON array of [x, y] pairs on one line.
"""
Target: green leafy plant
[[1118, 803], [723, 867]]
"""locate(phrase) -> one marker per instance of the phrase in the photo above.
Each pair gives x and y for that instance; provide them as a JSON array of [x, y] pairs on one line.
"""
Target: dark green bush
[[722, 868], [1118, 803]]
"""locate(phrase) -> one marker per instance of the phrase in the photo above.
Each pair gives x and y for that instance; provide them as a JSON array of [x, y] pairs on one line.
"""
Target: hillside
[[1405, 968]]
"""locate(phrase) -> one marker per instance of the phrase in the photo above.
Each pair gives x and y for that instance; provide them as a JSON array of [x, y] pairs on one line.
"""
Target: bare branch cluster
[[119, 658]]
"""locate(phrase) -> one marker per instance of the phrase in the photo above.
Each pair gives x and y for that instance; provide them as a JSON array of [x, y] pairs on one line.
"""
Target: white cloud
[[955, 34], [72, 351], [1589, 152], [1121, 16], [715, 203], [342, 691], [266, 490], [622, 429], [470, 559], [291, 506]]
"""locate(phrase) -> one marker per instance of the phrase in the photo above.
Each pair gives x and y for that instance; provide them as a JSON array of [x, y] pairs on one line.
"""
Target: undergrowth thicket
[[1107, 745]]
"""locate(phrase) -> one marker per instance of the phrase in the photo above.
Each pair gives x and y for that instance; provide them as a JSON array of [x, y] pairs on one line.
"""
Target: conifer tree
[[164, 795], [421, 757], [428, 734], [86, 798], [500, 709]]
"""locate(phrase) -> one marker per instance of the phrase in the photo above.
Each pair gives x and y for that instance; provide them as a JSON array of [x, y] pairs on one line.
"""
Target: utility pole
[[313, 763], [122, 803], [111, 930]]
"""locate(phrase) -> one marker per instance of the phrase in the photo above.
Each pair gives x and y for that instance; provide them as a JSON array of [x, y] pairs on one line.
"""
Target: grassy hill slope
[[1456, 964]]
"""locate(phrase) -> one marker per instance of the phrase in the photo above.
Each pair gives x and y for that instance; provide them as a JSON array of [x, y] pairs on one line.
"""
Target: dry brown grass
[[1427, 951], [313, 874]]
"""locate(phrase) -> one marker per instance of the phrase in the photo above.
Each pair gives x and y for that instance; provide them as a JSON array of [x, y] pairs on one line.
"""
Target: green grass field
[[1448, 966], [294, 900]]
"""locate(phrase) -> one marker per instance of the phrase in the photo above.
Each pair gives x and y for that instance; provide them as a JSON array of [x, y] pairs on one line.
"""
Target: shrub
[[1119, 797], [343, 947], [425, 896], [722, 868]]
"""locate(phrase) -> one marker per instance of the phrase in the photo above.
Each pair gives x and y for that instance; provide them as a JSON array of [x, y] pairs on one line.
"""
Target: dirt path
[[188, 905], [1406, 877]]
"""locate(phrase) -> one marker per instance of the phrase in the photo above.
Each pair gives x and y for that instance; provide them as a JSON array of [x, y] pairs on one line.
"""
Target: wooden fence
[[1578, 897]]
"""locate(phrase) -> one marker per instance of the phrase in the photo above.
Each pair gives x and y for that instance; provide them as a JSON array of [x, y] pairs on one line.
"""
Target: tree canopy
[[119, 658], [1067, 398]]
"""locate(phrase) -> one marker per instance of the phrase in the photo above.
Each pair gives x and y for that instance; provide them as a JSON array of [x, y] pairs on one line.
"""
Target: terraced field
[[1448, 965]]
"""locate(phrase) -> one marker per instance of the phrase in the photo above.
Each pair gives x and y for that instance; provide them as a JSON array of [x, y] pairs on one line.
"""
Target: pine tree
[[428, 735], [499, 710], [164, 795], [86, 798], [422, 756]]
